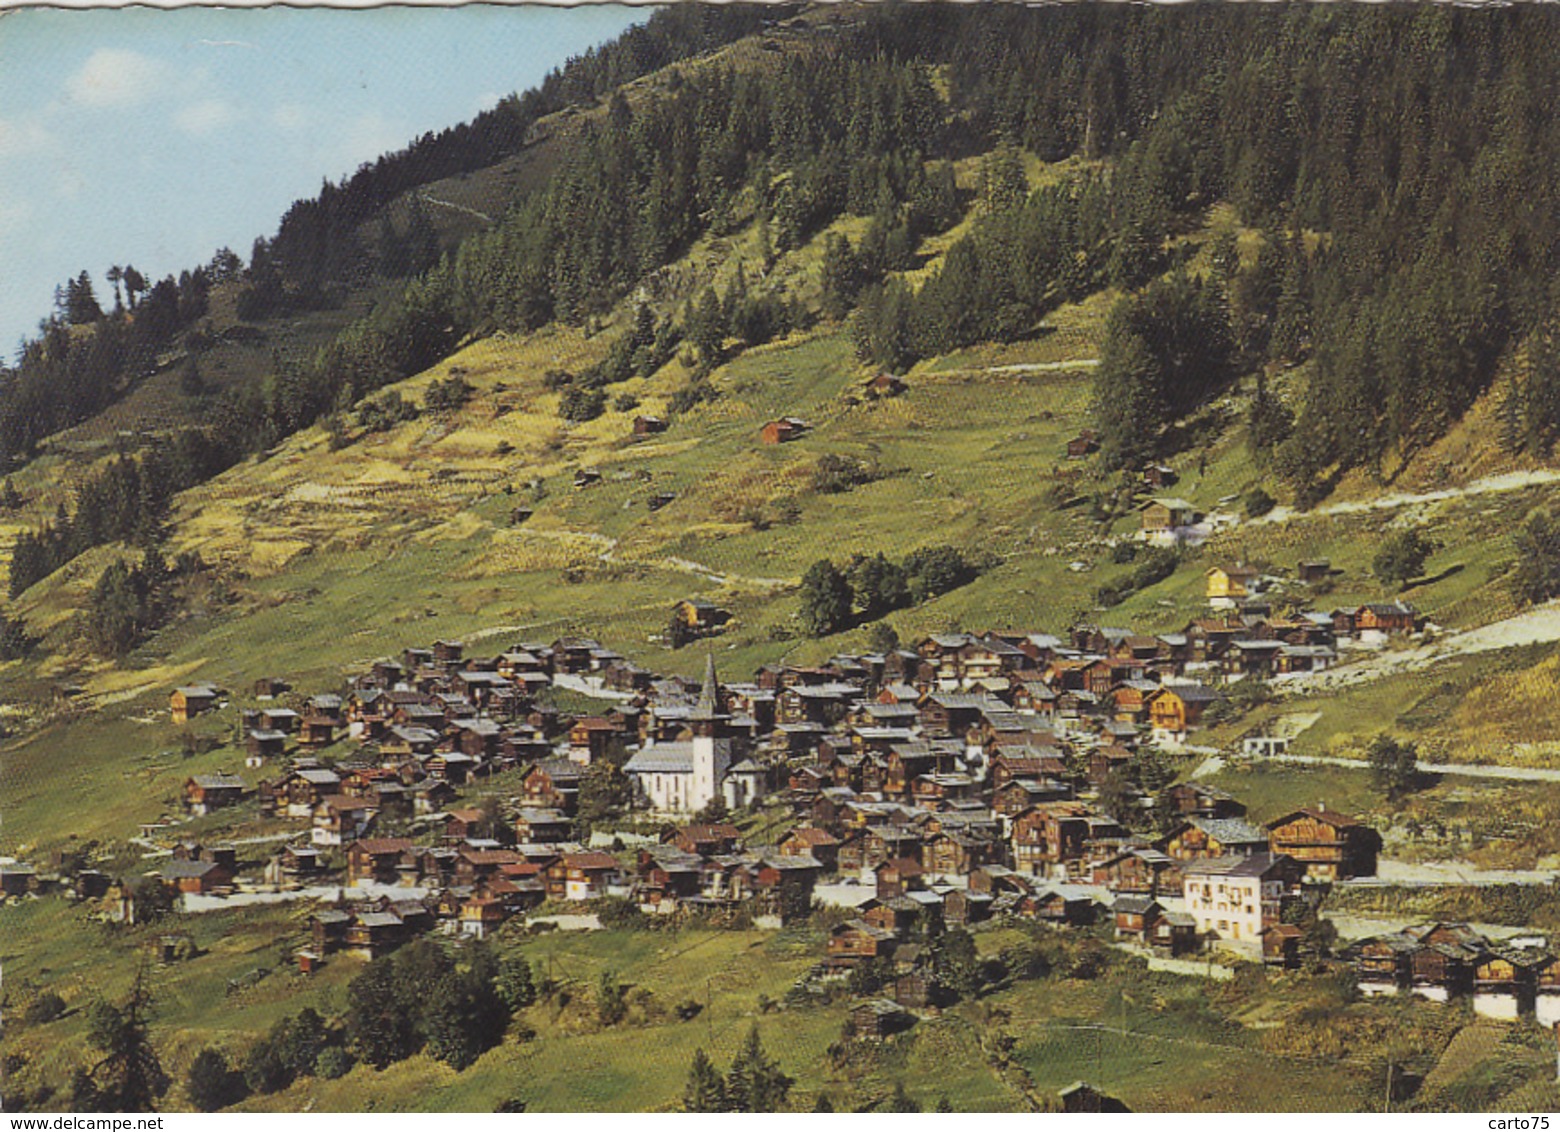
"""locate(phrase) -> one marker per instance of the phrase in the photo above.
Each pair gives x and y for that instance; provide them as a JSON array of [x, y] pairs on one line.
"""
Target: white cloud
[[113, 77], [19, 138], [202, 118]]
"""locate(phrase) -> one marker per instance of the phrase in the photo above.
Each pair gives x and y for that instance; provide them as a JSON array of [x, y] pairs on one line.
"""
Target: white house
[[1231, 898]]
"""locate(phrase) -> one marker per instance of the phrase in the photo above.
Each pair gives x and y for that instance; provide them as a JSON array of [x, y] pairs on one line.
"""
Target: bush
[[447, 395], [265, 1071], [333, 1062], [836, 474], [626, 403], [44, 1009], [1402, 558], [211, 1083], [935, 570], [619, 913], [579, 404], [384, 413], [1258, 503], [694, 393]]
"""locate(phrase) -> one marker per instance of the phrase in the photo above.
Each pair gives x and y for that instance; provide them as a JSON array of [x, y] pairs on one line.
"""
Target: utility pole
[[1387, 1104]]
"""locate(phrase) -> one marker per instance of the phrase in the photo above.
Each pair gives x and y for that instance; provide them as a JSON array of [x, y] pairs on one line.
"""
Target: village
[[971, 778]]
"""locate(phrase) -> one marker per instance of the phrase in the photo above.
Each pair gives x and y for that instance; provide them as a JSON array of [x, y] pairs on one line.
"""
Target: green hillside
[[1027, 281]]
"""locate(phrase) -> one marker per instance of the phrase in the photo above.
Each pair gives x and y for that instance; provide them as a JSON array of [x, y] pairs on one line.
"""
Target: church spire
[[709, 695]]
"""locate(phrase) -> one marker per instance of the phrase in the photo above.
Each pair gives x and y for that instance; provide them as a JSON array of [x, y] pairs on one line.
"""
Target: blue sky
[[155, 137]]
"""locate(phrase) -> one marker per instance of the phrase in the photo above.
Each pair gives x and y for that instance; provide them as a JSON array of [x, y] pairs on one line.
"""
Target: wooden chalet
[[188, 702], [196, 877], [1138, 870], [1200, 837], [1166, 515], [782, 430], [542, 826], [705, 840], [378, 859], [1135, 915], [1281, 945], [699, 615], [806, 841], [884, 385], [879, 1018], [1174, 933], [371, 935], [581, 876], [204, 793], [1329, 845], [1174, 709], [856, 941]]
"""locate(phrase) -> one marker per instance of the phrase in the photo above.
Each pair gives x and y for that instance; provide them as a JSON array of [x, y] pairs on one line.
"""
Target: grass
[[338, 557]]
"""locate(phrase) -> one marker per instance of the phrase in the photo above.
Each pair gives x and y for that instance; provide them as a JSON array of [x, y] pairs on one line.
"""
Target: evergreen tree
[[1536, 574], [81, 305], [705, 1090], [755, 1083], [841, 276], [129, 1077]]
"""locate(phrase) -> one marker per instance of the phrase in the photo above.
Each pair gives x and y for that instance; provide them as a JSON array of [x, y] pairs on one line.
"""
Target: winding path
[[668, 562]]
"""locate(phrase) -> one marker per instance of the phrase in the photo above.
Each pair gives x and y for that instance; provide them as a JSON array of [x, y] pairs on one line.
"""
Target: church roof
[[662, 758]]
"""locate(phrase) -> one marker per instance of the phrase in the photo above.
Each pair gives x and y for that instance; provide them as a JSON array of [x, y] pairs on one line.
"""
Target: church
[[684, 776]]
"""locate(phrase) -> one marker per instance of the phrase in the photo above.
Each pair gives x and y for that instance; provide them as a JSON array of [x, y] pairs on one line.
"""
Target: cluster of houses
[[947, 783], [1447, 961]]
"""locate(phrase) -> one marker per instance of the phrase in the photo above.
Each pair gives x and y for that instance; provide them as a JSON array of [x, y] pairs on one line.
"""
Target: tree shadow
[[1451, 571]]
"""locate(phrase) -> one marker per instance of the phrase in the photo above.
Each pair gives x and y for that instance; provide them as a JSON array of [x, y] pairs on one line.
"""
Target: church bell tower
[[711, 742]]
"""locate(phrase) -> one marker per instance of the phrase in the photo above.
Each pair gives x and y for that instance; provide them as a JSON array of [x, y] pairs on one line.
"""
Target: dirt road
[[1465, 770], [1539, 625], [1508, 481]]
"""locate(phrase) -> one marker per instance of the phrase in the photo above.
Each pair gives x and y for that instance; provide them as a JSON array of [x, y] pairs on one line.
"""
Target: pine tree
[[129, 1077], [755, 1083], [705, 1090]]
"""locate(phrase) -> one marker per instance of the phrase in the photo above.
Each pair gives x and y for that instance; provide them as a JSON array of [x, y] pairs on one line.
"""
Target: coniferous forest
[[1402, 165]]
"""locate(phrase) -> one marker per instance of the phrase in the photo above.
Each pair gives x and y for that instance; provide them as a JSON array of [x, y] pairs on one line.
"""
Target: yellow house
[[186, 703], [1226, 586]]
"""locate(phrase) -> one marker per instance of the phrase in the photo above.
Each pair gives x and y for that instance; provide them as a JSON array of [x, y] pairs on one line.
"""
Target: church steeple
[[709, 696], [711, 744]]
